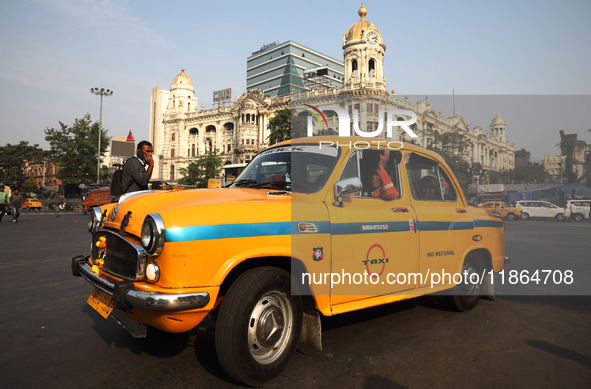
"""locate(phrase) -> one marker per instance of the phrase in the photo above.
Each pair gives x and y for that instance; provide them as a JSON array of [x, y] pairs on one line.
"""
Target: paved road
[[52, 339]]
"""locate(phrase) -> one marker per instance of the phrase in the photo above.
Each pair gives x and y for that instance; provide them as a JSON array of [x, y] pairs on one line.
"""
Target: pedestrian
[[16, 204], [137, 170], [4, 201]]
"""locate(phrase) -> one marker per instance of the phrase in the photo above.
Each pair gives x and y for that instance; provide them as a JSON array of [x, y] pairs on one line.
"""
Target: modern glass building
[[289, 67]]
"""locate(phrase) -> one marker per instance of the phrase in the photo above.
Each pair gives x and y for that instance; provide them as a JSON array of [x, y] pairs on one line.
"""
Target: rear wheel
[[511, 216], [578, 217], [467, 293], [560, 217], [525, 216], [258, 326]]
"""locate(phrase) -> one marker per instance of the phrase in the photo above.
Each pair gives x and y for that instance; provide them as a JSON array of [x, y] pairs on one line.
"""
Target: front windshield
[[297, 168]]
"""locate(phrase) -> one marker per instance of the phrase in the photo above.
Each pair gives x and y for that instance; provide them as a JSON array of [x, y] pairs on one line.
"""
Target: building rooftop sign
[[266, 47]]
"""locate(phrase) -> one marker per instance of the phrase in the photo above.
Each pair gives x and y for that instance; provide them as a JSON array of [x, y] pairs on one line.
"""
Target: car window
[[300, 168], [363, 164], [428, 180]]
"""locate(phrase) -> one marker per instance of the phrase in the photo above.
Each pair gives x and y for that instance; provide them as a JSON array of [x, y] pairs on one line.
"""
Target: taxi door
[[442, 224], [373, 239]]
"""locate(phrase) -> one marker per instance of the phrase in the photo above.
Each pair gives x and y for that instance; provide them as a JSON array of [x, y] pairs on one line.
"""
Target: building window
[[171, 153], [193, 150], [173, 136], [171, 172]]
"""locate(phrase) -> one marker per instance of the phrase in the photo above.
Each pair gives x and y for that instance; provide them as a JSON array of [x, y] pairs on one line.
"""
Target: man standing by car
[[16, 204], [135, 175], [4, 201]]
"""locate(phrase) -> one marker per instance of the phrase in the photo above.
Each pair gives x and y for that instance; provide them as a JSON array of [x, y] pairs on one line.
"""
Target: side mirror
[[346, 187]]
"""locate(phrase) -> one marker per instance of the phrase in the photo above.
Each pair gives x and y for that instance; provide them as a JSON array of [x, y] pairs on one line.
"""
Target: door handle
[[400, 209]]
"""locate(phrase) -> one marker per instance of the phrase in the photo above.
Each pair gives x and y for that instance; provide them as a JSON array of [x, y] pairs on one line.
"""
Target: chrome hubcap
[[469, 286], [269, 327]]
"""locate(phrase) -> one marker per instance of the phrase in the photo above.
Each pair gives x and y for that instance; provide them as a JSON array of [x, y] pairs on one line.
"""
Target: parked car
[[32, 204], [255, 256], [503, 209], [537, 208], [577, 210]]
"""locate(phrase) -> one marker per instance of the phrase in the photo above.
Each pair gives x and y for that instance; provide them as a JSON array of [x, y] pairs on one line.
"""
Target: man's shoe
[[14, 221]]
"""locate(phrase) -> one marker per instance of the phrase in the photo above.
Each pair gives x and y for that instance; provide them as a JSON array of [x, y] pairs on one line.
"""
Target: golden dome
[[357, 30], [498, 120], [182, 78]]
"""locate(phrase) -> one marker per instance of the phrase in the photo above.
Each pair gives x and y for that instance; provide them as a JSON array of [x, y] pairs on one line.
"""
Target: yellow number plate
[[101, 302]]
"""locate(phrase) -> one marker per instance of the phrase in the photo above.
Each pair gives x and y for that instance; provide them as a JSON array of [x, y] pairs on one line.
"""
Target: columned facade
[[181, 132]]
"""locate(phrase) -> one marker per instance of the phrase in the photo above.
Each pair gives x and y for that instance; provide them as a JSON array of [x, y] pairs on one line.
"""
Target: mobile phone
[[141, 155]]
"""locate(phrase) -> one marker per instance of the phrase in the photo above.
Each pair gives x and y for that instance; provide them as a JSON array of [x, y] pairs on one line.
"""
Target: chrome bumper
[[126, 296]]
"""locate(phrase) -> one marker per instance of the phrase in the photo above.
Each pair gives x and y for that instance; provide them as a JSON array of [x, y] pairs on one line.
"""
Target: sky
[[527, 60]]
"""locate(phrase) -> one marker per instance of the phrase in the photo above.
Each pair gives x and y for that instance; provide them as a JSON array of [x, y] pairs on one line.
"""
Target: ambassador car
[[503, 209], [314, 226]]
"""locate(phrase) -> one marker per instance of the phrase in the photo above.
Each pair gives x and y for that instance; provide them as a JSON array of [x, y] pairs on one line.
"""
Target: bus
[[231, 171]]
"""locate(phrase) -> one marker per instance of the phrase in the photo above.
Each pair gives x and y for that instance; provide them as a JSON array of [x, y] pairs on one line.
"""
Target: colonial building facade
[[181, 132]]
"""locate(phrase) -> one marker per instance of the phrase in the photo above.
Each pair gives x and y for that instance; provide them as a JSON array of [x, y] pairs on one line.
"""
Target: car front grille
[[122, 257]]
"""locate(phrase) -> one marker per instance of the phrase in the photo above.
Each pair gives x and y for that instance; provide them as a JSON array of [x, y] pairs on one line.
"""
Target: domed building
[[181, 132], [363, 51]]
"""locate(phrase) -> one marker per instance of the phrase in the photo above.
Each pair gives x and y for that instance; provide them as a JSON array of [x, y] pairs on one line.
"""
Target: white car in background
[[537, 208], [577, 210]]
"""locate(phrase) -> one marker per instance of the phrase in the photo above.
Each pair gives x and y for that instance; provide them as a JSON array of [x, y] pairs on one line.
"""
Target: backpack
[[116, 187]]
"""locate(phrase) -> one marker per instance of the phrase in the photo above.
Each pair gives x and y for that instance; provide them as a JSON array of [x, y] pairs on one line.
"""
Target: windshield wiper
[[282, 184], [244, 182]]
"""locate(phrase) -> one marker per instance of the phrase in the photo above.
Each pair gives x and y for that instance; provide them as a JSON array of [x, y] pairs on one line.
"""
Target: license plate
[[101, 302]]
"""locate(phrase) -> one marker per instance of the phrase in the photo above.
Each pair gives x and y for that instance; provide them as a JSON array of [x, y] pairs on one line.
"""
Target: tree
[[200, 171], [75, 149], [29, 186], [280, 126], [12, 162]]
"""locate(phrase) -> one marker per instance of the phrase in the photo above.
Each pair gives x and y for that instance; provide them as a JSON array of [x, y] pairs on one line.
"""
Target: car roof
[[346, 141]]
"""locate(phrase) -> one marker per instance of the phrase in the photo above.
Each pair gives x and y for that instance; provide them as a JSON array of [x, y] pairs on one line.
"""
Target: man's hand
[[149, 159], [384, 160]]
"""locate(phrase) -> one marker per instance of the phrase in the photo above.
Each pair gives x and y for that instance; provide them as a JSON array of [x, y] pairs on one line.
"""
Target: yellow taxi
[[32, 204], [313, 226], [503, 209]]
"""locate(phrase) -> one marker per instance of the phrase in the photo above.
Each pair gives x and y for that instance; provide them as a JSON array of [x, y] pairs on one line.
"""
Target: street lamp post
[[100, 92]]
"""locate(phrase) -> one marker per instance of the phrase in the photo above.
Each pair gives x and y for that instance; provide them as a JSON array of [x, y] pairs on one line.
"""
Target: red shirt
[[388, 191]]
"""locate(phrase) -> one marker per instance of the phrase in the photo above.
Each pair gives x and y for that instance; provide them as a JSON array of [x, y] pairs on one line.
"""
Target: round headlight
[[94, 220], [152, 236]]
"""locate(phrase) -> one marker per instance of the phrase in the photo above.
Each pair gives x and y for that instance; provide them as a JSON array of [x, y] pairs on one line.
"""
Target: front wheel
[[511, 216], [525, 215], [259, 324], [578, 217], [560, 217], [467, 293]]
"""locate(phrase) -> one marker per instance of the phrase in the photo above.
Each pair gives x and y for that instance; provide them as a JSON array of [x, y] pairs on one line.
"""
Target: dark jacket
[[135, 176], [16, 200]]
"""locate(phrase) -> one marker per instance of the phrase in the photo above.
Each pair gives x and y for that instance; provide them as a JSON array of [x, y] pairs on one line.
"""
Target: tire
[[511, 216], [525, 216], [577, 217], [560, 217], [258, 326], [466, 294]]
